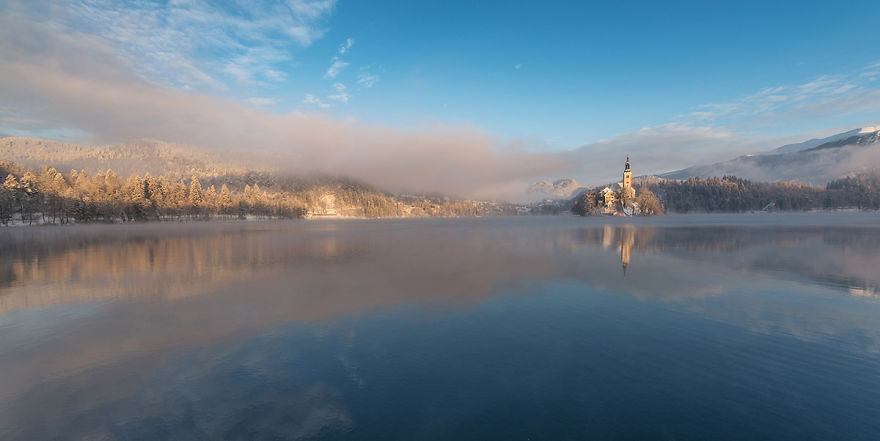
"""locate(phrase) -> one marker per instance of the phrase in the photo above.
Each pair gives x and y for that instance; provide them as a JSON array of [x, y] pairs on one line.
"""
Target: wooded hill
[[147, 179], [49, 196], [139, 156]]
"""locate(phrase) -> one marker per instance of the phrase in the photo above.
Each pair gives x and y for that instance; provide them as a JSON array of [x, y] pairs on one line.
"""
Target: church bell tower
[[626, 186]]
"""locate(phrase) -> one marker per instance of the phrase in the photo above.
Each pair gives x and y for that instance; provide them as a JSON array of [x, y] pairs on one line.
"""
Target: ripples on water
[[725, 327]]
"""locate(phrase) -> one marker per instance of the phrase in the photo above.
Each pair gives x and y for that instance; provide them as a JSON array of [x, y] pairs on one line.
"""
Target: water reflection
[[294, 330], [157, 262]]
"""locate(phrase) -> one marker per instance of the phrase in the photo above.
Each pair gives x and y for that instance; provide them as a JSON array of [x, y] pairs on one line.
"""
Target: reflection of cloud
[[174, 262], [189, 396]]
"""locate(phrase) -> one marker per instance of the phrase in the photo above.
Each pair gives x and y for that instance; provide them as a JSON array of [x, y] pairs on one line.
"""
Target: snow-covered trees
[[54, 197], [8, 194], [648, 204], [224, 203]]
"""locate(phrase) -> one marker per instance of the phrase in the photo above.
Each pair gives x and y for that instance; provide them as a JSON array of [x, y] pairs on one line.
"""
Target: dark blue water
[[684, 328]]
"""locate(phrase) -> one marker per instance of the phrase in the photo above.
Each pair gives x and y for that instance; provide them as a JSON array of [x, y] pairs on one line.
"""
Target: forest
[[590, 203], [29, 196], [730, 194], [49, 196]]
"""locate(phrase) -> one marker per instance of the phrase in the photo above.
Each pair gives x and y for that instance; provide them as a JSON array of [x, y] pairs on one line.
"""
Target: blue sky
[[561, 74], [709, 79], [591, 71], [586, 71]]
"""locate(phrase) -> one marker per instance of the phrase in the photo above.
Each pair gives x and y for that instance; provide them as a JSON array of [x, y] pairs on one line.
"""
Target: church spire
[[626, 185]]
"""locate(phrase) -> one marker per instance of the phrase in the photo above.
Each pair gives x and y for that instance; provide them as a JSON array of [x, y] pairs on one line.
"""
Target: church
[[613, 194]]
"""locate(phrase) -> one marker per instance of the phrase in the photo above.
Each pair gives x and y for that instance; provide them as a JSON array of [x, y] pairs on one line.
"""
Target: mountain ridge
[[815, 161]]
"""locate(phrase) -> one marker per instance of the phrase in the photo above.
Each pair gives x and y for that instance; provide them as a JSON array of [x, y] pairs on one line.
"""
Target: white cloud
[[275, 75], [657, 149], [262, 101], [338, 64], [871, 71], [822, 85], [341, 95], [59, 77], [366, 79], [68, 79], [349, 42], [166, 41], [312, 101], [335, 68], [773, 104], [517, 66], [252, 67]]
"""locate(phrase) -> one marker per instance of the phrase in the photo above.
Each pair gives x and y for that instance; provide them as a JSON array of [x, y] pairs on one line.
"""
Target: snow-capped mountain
[[806, 145], [816, 161], [560, 188]]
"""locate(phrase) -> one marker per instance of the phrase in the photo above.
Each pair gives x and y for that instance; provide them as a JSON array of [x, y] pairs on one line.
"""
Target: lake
[[543, 328]]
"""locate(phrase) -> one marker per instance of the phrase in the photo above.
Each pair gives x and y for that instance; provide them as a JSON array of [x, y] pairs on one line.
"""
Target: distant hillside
[[138, 156], [54, 182], [815, 161], [806, 145], [559, 189]]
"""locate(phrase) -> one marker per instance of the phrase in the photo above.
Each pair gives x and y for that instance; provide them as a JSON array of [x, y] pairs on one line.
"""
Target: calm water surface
[[679, 328]]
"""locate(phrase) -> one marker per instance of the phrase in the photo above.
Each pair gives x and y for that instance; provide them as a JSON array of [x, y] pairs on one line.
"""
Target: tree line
[[732, 194], [49, 196], [645, 203]]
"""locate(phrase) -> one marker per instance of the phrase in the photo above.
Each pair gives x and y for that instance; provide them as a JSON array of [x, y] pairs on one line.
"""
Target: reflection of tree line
[[724, 240], [346, 268], [166, 266], [52, 266], [721, 239]]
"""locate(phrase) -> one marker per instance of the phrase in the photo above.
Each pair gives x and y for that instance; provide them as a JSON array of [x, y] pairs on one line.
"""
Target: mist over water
[[699, 327]]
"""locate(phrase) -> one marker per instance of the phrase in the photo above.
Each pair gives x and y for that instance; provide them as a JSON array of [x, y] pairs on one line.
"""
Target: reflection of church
[[613, 195], [627, 239]]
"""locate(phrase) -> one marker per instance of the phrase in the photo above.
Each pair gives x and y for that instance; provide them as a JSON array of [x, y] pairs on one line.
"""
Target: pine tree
[[210, 202], [196, 197], [155, 192], [135, 200], [177, 200], [28, 194], [8, 193], [225, 199]]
